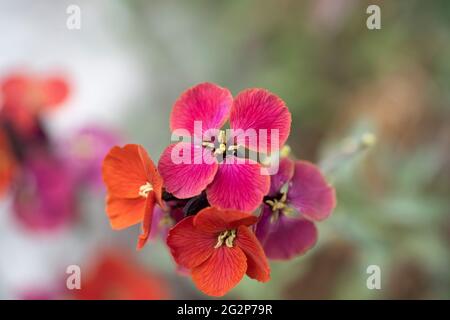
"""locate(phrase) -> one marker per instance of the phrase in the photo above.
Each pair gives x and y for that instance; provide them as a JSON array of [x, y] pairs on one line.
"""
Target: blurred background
[[114, 81]]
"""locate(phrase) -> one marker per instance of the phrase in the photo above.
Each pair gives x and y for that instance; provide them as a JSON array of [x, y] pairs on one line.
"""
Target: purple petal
[[310, 193], [284, 175], [264, 225], [289, 237], [85, 151], [44, 197]]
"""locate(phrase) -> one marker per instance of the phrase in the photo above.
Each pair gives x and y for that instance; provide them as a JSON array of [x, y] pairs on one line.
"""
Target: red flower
[[219, 248], [115, 276], [134, 187], [25, 97]]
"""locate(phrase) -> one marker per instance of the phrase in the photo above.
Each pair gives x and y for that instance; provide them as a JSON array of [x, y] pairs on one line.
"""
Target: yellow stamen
[[145, 189], [227, 237], [278, 204]]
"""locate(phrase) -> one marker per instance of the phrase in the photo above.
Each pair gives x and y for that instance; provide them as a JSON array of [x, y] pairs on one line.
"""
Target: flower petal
[[214, 220], [186, 169], [283, 176], [310, 193], [123, 213], [258, 267], [262, 228], [221, 272], [260, 109], [54, 91], [147, 220], [124, 171], [152, 175], [189, 246], [205, 102], [289, 237], [238, 186]]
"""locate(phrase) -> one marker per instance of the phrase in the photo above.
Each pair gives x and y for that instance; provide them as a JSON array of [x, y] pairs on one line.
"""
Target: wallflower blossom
[[44, 194], [115, 276], [134, 187], [218, 247], [298, 197], [84, 152], [213, 163], [24, 97]]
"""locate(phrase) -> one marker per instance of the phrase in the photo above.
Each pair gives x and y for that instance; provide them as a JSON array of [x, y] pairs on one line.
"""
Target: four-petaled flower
[[213, 164], [299, 195], [134, 187], [219, 248]]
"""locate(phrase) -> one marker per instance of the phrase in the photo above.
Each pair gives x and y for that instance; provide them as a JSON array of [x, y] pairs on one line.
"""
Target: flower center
[[226, 236], [221, 143], [145, 189], [278, 204]]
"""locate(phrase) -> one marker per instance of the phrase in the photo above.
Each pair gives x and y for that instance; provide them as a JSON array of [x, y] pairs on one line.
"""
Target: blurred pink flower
[[44, 197], [84, 153]]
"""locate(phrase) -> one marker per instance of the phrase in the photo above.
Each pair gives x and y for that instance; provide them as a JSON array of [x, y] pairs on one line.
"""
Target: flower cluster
[[42, 174], [223, 199]]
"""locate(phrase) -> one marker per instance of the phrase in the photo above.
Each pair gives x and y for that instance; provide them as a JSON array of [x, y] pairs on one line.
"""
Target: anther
[[145, 189]]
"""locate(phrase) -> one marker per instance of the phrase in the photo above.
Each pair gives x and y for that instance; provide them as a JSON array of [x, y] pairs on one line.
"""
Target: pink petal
[[310, 193], [260, 110], [189, 177], [205, 102], [239, 186], [289, 237], [283, 176]]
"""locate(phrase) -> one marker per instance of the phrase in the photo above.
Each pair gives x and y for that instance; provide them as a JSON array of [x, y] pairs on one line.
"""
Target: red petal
[[258, 267], [221, 272], [238, 186], [188, 245], [260, 109], [187, 169], [147, 221], [214, 220], [54, 91], [123, 213], [206, 102]]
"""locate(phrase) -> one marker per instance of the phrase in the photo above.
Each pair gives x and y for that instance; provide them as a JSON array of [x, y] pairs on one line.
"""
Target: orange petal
[[215, 220], [147, 221], [152, 175], [221, 272], [125, 171], [123, 213], [257, 265]]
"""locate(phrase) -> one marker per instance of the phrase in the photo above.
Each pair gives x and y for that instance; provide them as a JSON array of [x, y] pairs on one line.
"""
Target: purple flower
[[84, 153], [299, 195], [44, 197]]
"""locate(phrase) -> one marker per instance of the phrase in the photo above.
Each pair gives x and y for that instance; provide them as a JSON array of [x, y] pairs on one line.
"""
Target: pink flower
[[299, 196], [213, 164], [44, 197], [84, 153]]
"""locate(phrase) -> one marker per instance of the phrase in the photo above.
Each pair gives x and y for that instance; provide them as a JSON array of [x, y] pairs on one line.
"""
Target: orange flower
[[134, 187]]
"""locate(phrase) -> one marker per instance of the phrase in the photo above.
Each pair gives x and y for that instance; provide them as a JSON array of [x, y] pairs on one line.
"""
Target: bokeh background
[[131, 59]]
